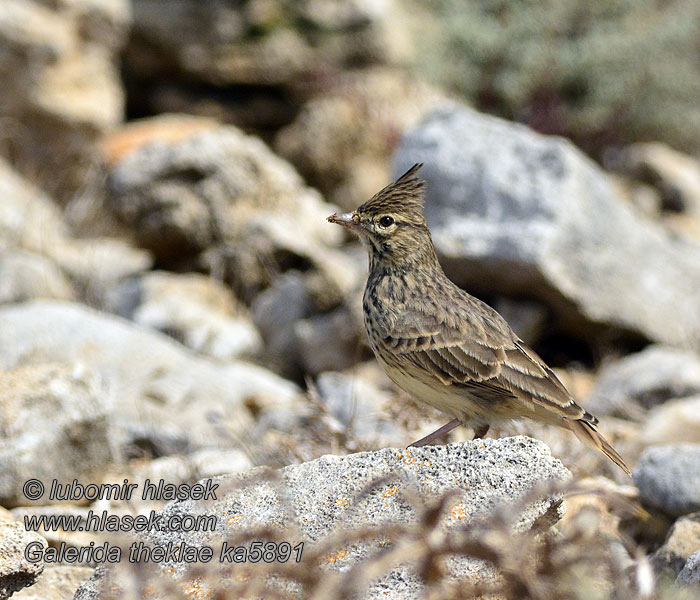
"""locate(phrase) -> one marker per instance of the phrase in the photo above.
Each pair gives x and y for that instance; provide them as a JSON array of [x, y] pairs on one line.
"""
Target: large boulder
[[347, 509], [515, 212], [166, 399], [221, 200]]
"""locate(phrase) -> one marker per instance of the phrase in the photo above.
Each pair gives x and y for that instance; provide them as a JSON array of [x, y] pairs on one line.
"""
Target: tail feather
[[588, 433]]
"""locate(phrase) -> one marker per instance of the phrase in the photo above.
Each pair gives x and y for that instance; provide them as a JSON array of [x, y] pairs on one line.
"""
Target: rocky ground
[[174, 306]]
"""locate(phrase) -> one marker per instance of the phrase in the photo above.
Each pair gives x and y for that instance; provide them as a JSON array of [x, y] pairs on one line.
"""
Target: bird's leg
[[436, 434], [481, 432]]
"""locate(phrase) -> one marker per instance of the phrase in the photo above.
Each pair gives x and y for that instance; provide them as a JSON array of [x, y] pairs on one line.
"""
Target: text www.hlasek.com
[[110, 522]]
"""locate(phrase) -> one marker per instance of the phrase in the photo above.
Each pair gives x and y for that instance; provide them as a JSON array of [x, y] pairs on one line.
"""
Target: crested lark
[[441, 345]]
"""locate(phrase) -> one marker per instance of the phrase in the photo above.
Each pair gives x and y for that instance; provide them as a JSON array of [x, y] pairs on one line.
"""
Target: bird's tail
[[585, 430]]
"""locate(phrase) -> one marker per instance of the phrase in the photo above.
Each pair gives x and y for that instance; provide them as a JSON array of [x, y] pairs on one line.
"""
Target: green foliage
[[600, 72]]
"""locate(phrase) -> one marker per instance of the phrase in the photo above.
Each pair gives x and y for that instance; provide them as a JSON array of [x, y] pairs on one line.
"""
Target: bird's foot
[[481, 432], [437, 433]]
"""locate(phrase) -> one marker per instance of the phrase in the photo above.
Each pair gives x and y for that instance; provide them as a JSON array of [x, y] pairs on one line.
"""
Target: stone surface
[[520, 213], [28, 276], [261, 43], [334, 495], [683, 539], [56, 583], [194, 309], [668, 478], [690, 575], [165, 398], [54, 421], [674, 174], [222, 200], [15, 571], [359, 407], [674, 422], [62, 86], [346, 162], [30, 222], [629, 386]]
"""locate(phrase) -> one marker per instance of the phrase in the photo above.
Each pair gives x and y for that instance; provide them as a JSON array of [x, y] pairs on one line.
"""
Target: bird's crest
[[403, 196]]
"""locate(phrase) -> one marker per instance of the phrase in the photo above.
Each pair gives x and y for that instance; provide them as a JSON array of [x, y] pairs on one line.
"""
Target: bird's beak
[[349, 220]]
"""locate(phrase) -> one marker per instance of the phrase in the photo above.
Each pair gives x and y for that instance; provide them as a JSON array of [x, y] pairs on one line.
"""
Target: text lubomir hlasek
[[159, 490]]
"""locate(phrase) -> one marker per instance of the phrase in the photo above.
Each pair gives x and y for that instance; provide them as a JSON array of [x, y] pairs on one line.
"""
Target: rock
[[683, 539], [331, 497], [56, 583], [518, 213], [629, 386], [97, 586], [275, 313], [163, 394], [676, 421], [265, 55], [526, 318], [359, 408], [28, 276], [31, 223], [329, 341], [668, 478], [196, 310], [62, 87], [674, 174], [346, 162], [54, 421], [690, 575], [220, 199], [16, 571]]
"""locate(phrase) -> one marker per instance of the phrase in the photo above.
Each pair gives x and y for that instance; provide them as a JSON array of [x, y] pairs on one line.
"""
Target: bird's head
[[391, 224]]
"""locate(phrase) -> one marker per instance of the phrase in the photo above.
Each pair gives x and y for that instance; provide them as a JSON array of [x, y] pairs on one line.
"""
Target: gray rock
[[56, 583], [54, 421], [629, 386], [222, 198], [31, 224], [322, 500], [275, 313], [196, 310], [519, 213], [690, 575], [16, 571], [159, 388], [93, 588], [329, 341], [62, 87], [682, 540], [358, 407], [668, 478], [28, 276], [675, 421]]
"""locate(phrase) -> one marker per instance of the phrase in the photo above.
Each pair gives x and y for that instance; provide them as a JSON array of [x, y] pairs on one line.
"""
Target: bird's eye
[[386, 221]]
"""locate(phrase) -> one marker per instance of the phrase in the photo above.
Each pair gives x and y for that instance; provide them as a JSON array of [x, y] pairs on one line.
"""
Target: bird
[[441, 345]]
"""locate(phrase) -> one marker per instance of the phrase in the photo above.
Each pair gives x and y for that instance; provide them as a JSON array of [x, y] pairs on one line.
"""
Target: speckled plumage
[[438, 343]]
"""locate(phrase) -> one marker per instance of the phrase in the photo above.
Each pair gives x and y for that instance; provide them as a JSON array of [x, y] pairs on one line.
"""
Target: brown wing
[[474, 347]]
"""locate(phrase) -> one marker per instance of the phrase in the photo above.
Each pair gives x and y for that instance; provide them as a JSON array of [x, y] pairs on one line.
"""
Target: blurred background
[[172, 300]]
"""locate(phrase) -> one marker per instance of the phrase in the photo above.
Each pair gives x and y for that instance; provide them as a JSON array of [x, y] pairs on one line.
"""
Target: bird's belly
[[456, 402]]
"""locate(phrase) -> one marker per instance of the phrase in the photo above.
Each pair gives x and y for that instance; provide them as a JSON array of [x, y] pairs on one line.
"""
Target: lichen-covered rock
[[682, 540], [62, 86], [690, 575], [516, 212], [54, 421], [668, 478], [16, 571], [324, 499]]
